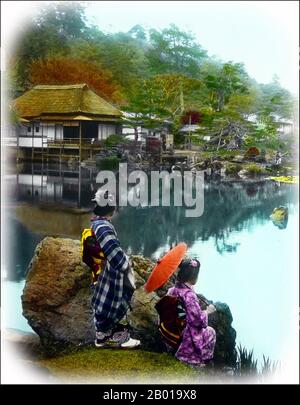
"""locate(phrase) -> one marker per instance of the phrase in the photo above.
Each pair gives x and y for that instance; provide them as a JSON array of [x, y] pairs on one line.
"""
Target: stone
[[238, 159], [221, 320], [243, 174], [57, 295]]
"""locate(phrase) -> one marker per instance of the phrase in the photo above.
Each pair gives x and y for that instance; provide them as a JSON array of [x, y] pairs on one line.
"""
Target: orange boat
[[165, 267]]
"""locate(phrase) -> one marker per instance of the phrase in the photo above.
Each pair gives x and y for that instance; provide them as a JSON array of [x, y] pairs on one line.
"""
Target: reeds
[[247, 365]]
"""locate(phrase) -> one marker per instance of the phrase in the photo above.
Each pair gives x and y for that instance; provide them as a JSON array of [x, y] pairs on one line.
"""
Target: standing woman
[[115, 284]]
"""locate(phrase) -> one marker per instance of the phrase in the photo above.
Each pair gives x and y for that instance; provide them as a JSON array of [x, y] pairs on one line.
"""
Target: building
[[285, 128], [63, 120]]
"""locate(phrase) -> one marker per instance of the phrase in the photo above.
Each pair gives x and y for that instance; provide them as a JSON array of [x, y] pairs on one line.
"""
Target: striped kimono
[[111, 298]]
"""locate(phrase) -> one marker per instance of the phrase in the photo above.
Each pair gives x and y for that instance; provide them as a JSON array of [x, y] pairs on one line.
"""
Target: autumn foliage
[[191, 117], [66, 70], [253, 151]]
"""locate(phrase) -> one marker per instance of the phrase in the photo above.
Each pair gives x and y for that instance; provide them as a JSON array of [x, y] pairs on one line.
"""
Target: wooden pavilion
[[64, 121]]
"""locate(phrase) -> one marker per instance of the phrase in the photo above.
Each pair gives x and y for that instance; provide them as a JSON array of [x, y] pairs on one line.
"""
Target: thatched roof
[[78, 99]]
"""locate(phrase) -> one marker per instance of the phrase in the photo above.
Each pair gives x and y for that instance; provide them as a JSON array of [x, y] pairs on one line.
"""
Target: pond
[[246, 261]]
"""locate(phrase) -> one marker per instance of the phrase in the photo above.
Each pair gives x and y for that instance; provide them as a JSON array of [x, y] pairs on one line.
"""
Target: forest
[[156, 75]]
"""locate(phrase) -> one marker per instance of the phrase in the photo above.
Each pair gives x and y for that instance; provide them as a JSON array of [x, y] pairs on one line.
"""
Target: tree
[[244, 104], [229, 126], [49, 34], [65, 70], [226, 129], [273, 103], [227, 79], [66, 18], [233, 122], [179, 92], [162, 97], [35, 43], [146, 105], [139, 33], [174, 51], [118, 53], [275, 100]]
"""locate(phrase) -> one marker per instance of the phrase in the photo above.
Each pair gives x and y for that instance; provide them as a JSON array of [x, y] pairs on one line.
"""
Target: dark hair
[[103, 211], [188, 270], [106, 206]]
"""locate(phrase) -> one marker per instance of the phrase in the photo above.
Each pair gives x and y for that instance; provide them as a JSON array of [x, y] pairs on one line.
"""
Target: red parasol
[[165, 267]]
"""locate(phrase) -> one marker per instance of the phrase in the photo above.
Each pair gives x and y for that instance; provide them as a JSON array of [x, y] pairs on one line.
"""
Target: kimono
[[198, 340], [111, 298]]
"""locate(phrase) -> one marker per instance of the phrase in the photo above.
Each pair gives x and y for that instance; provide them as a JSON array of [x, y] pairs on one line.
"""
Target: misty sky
[[262, 35]]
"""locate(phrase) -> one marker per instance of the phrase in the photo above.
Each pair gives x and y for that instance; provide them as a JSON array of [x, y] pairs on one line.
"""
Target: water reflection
[[56, 184], [55, 200], [228, 208]]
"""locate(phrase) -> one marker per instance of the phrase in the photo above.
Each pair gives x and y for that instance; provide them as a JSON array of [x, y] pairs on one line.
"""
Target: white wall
[[23, 130], [105, 130], [59, 132], [54, 131], [29, 179], [127, 131], [29, 142], [48, 131]]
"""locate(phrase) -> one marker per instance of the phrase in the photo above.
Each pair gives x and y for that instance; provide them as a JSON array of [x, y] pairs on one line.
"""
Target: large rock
[[57, 294]]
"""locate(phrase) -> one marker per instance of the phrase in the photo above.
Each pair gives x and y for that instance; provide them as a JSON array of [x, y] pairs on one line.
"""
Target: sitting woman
[[198, 339]]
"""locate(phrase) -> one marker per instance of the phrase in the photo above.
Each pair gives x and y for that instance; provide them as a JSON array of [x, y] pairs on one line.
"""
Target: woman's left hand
[[210, 309]]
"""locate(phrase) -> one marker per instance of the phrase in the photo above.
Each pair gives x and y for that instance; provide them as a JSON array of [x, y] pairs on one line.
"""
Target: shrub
[[254, 169], [252, 152], [108, 163], [114, 140], [233, 168]]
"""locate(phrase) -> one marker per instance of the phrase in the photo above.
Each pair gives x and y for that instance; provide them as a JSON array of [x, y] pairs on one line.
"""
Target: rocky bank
[[56, 302]]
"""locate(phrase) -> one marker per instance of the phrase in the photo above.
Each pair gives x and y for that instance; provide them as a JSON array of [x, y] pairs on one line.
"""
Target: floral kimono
[[198, 340]]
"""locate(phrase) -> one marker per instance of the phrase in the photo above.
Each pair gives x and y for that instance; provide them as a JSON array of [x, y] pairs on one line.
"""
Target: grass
[[117, 366], [269, 367], [91, 365], [247, 365]]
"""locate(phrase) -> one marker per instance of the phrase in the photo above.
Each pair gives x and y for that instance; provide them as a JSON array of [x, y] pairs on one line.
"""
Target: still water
[[246, 260]]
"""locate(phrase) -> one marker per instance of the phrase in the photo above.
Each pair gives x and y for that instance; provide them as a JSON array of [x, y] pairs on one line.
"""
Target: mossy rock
[[233, 168]]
